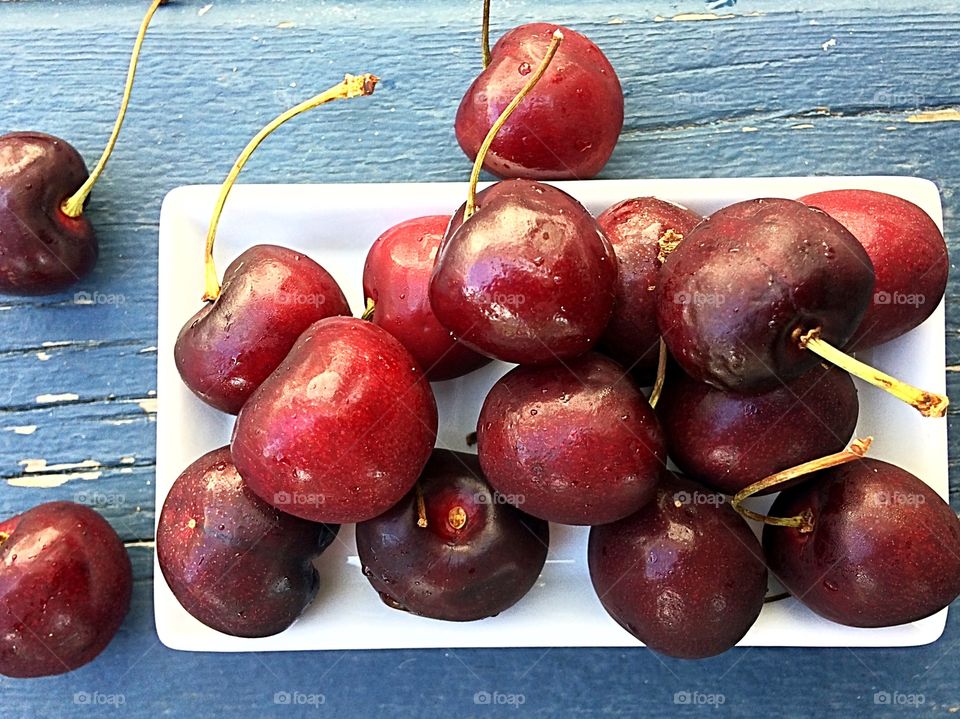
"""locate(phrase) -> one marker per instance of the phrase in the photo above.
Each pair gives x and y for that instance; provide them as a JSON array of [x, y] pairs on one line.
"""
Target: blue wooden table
[[748, 88]]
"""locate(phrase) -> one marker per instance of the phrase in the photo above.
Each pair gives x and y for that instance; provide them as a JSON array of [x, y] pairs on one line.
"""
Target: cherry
[[908, 253], [524, 273], [452, 548], [270, 295], [575, 443], [728, 441], [875, 546], [759, 289], [46, 242], [65, 586], [233, 561], [569, 132], [642, 231], [684, 575], [396, 279], [341, 430]]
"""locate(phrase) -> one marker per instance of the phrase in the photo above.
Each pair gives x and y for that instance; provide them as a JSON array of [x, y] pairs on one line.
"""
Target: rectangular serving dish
[[336, 224]]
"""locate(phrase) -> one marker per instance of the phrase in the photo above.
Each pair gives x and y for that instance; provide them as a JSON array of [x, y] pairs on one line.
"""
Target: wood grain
[[794, 88]]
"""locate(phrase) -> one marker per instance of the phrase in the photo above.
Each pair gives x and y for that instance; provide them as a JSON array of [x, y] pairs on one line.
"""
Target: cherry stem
[[457, 518], [352, 86], [661, 374], [504, 116], [666, 243], [929, 404], [369, 309], [73, 205], [421, 508], [485, 34], [804, 522], [771, 598]]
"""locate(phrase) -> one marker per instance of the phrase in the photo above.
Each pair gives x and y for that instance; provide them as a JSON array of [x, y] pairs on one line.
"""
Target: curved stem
[[73, 205], [771, 598], [369, 309], [485, 34], [661, 375], [421, 508], [929, 404], [350, 87], [504, 116], [804, 522]]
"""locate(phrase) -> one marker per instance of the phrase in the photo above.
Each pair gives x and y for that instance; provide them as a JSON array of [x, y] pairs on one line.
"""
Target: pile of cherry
[[740, 321]]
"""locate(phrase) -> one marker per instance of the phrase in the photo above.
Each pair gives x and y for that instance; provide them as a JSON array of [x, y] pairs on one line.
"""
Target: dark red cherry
[[341, 430], [270, 295], [233, 561], [529, 278], [568, 131], [747, 282], [396, 277], [65, 586], [684, 575], [729, 441], [908, 253], [476, 557], [642, 231], [42, 250], [575, 443], [884, 547]]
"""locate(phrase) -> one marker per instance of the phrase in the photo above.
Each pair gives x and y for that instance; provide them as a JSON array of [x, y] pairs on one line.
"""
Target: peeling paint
[[40, 465], [23, 429], [140, 543], [615, 21], [129, 459], [832, 42], [51, 398], [48, 481], [148, 405], [148, 350], [695, 17], [802, 126], [286, 25], [58, 343], [43, 356], [950, 114], [747, 128]]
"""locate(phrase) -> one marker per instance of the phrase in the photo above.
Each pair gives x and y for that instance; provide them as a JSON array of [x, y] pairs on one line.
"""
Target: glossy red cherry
[[883, 548], [685, 575], [341, 430], [476, 557], [529, 278], [568, 132], [642, 231], [396, 276], [270, 295], [909, 258], [65, 586], [233, 561], [575, 443]]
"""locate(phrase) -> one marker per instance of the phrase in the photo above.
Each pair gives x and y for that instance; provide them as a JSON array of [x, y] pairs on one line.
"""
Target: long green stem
[[504, 116], [485, 34], [804, 522], [929, 404], [352, 86], [73, 205]]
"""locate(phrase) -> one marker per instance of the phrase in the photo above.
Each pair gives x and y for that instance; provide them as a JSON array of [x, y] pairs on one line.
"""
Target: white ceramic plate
[[336, 224]]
